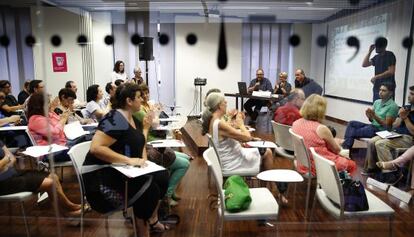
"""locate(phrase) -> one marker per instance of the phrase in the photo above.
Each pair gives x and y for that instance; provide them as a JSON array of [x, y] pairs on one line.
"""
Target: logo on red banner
[[59, 62]]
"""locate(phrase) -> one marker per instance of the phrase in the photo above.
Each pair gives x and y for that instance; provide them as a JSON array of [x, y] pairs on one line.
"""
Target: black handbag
[[355, 198]]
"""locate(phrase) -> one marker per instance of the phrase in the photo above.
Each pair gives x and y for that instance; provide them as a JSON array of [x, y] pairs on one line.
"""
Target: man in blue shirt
[[259, 83]]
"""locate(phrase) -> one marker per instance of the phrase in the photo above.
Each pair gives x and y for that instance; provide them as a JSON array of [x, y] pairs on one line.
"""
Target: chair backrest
[[328, 179], [211, 159], [301, 153], [211, 144], [78, 154], [282, 135], [31, 138]]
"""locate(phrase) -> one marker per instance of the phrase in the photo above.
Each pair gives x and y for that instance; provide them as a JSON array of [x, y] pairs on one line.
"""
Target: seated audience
[[381, 149], [10, 104], [21, 98], [399, 162], [317, 135], [67, 99], [77, 103], [289, 112], [283, 87], [35, 86], [227, 140], [381, 115], [259, 83], [121, 139], [308, 85], [14, 181], [176, 162], [110, 89], [41, 125], [118, 82], [137, 79], [94, 109], [119, 72]]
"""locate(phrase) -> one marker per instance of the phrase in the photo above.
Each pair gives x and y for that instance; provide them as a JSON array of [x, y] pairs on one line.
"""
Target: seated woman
[[13, 181], [319, 136], [227, 140], [94, 109], [41, 124], [407, 156], [176, 162], [120, 138]]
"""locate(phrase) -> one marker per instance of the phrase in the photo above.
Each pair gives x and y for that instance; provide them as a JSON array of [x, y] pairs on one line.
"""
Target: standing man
[[308, 85], [384, 63], [259, 83], [283, 87]]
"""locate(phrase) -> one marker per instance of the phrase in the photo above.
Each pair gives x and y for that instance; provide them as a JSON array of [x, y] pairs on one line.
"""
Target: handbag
[[237, 194], [355, 198]]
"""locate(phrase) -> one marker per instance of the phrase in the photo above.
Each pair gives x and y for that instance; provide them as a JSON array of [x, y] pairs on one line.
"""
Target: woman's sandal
[[158, 229], [386, 165]]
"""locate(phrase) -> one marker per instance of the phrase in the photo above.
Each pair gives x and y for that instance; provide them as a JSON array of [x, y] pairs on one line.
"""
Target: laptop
[[163, 115], [242, 88]]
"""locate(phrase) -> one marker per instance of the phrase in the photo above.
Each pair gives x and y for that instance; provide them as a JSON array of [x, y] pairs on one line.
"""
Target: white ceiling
[[282, 10]]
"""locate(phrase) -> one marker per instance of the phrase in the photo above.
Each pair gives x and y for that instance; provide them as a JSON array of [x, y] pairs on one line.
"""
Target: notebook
[[388, 135], [242, 88]]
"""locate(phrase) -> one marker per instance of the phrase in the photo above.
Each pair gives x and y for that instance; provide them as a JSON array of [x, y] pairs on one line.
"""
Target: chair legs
[[307, 198], [25, 220]]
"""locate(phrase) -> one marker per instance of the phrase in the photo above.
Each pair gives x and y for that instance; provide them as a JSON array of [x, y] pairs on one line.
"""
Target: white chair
[[283, 139], [19, 197], [263, 206], [248, 172], [329, 191], [78, 154], [60, 164], [302, 155]]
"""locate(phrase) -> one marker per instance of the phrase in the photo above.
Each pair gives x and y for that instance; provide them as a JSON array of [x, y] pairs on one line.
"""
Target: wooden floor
[[197, 219]]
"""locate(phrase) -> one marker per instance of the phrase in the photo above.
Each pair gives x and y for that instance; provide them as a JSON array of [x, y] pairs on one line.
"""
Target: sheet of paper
[[132, 172], [262, 94], [387, 134], [262, 144], [167, 143], [13, 128], [74, 130], [37, 151]]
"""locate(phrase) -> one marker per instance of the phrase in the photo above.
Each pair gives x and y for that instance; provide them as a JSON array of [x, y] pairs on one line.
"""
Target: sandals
[[386, 165], [155, 227]]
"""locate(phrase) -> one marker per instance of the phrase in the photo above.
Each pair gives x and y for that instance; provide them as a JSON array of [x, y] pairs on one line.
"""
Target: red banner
[[59, 62]]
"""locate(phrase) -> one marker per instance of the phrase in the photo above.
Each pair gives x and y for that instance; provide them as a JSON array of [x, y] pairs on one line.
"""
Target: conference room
[[136, 118]]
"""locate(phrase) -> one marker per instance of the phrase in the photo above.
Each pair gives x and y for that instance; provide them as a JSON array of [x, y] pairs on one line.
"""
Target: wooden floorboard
[[197, 219]]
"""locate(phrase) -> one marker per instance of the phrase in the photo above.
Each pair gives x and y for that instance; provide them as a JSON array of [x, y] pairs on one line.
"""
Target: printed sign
[[59, 62]]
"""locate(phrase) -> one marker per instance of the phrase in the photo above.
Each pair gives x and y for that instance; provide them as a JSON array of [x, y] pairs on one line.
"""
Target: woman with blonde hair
[[319, 136]]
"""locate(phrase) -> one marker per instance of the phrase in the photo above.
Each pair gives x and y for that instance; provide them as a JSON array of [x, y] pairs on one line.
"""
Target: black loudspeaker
[[145, 49]]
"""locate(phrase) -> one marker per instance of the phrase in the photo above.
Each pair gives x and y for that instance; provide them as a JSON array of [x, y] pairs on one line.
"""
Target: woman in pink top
[[40, 125], [319, 136]]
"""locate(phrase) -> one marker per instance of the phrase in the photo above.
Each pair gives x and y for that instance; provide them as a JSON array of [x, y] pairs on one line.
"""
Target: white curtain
[[265, 46]]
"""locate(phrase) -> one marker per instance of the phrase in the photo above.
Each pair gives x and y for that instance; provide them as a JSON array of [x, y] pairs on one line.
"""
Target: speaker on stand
[[145, 53], [200, 82]]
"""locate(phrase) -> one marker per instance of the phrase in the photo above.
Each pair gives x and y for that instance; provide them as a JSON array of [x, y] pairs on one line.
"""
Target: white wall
[[300, 56], [66, 25], [200, 60], [103, 54]]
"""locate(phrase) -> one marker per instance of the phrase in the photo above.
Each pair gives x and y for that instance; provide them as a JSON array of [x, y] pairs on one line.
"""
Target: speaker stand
[[146, 71]]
